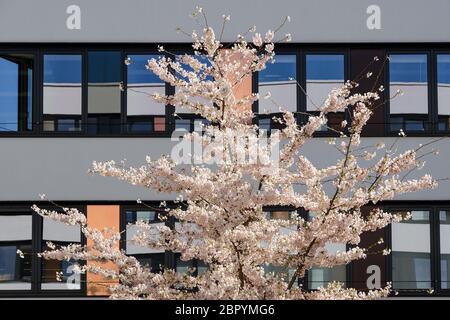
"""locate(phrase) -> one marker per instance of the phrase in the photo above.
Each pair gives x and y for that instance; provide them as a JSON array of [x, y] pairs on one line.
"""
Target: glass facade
[[324, 72], [62, 92], [15, 251], [280, 80], [16, 92], [444, 231], [143, 113], [408, 86], [152, 257], [59, 275], [443, 91], [104, 94], [411, 252]]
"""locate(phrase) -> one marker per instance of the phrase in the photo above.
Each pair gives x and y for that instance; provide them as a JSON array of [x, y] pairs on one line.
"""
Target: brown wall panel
[[362, 62], [101, 217], [373, 269]]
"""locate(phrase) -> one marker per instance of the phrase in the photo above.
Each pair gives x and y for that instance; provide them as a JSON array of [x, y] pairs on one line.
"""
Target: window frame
[[303, 104], [434, 244], [36, 262], [282, 50], [431, 77], [35, 90]]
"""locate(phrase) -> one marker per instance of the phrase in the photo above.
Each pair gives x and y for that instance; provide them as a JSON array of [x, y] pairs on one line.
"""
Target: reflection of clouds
[[140, 102], [413, 100], [444, 98], [283, 94], [318, 91], [62, 98]]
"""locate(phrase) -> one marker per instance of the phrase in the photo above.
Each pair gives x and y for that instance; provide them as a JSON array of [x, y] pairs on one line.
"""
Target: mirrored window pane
[[183, 124], [411, 264], [15, 234], [134, 216], [141, 107], [443, 87], [62, 92], [280, 79], [444, 219], [16, 92], [280, 271], [408, 82], [324, 72], [181, 110], [59, 275], [104, 76], [321, 277]]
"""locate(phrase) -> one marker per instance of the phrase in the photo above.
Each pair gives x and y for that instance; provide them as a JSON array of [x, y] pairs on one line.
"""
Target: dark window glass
[[16, 98], [411, 259], [183, 124], [62, 92], [197, 266], [15, 234], [59, 275], [443, 87], [280, 79], [154, 261], [104, 76], [408, 85], [444, 219], [141, 107]]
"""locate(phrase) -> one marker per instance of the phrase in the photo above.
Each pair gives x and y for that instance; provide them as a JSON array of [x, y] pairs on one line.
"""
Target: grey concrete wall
[[156, 20], [58, 166]]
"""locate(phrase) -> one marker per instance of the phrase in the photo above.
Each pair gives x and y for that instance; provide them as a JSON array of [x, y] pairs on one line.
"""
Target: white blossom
[[219, 209]]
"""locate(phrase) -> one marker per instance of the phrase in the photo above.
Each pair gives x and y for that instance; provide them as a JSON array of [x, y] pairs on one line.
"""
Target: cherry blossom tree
[[220, 205]]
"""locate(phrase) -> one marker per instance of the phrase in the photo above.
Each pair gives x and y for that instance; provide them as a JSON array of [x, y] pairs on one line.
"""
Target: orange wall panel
[[100, 217]]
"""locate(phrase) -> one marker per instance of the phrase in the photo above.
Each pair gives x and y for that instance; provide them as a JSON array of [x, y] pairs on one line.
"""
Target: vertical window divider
[[430, 77], [298, 77], [123, 94], [36, 261], [38, 111], [255, 105], [387, 92], [435, 250], [84, 92], [302, 81], [433, 91]]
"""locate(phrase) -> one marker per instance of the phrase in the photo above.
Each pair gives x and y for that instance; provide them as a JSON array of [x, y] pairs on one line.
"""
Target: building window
[[408, 86], [280, 80], [282, 271], [324, 72], [411, 252], [143, 113], [104, 94], [197, 266], [153, 258], [321, 277], [16, 234], [444, 230], [443, 91], [59, 234], [62, 92], [185, 119], [16, 92]]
